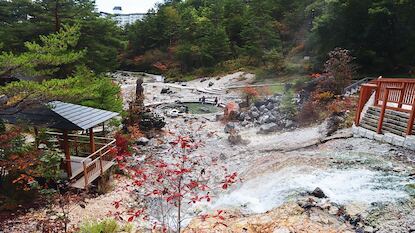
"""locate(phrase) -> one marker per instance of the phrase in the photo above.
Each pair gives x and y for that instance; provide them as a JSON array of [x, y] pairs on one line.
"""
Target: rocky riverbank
[[363, 186]]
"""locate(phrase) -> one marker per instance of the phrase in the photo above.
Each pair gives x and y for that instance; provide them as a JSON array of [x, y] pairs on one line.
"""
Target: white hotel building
[[123, 19]]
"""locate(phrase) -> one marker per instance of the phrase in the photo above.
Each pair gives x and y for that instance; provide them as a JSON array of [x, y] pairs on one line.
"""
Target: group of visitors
[[203, 100]]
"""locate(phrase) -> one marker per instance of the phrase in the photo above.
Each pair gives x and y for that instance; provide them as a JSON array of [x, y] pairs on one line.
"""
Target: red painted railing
[[390, 93]]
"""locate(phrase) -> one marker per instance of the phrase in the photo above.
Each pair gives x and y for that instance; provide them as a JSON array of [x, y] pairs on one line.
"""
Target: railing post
[[360, 105], [378, 90], [401, 95], [85, 174], [411, 120], [382, 112], [100, 162]]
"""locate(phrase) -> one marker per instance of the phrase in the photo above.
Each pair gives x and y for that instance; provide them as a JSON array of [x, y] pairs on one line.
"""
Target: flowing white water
[[341, 186]]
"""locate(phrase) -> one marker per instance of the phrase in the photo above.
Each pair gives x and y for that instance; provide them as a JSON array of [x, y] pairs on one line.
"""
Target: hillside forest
[[199, 37]]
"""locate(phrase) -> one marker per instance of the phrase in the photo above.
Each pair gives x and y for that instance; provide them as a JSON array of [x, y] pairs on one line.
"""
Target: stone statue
[[139, 90]]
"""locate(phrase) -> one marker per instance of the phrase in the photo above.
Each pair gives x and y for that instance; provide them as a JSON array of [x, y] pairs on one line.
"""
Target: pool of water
[[198, 108]]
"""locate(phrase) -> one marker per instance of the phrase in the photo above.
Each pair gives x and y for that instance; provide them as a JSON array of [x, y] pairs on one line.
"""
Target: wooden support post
[[103, 130], [76, 146], [383, 110], [360, 105], [92, 140], [85, 174], [411, 120], [67, 153]]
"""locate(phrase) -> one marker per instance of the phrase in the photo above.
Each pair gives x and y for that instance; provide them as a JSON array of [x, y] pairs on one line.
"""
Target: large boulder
[[165, 91], [236, 139], [318, 193], [259, 103], [268, 128]]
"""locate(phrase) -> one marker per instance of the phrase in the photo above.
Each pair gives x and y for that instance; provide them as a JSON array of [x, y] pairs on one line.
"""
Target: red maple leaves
[[177, 179]]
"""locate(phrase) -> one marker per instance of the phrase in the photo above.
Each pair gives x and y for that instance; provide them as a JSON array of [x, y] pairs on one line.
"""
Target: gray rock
[[268, 128], [42, 146], [242, 116], [165, 91], [262, 108], [230, 127], [236, 139], [222, 156], [143, 141], [318, 193], [255, 115], [272, 119], [270, 106], [289, 123]]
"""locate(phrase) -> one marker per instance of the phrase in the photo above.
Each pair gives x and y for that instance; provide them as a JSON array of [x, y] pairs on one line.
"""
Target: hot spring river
[[341, 186]]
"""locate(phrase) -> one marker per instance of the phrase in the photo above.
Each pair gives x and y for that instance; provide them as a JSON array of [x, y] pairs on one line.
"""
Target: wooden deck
[[87, 170], [80, 183]]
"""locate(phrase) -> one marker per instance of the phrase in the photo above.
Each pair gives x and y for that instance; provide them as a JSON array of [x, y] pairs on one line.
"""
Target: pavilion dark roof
[[60, 115]]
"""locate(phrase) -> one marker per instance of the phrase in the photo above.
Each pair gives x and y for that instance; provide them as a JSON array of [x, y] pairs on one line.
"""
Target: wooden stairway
[[395, 122]]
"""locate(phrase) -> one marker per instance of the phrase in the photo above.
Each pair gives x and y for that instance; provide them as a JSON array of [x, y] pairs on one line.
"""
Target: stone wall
[[406, 142]]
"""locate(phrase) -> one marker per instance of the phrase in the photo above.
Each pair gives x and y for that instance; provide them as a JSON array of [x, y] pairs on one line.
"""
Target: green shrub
[[104, 226], [288, 106]]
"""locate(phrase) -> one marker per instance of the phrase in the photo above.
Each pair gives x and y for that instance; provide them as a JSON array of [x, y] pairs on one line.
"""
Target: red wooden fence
[[390, 93]]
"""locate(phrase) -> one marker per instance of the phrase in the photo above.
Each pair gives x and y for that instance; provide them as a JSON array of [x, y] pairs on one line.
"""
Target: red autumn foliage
[[249, 93], [160, 66], [170, 184], [18, 158], [315, 75], [230, 111]]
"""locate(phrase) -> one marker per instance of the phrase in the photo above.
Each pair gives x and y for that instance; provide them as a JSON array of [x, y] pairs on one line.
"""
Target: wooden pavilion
[[86, 156]]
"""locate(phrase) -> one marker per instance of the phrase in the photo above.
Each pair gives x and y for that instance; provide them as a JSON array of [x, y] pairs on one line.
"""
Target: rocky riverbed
[[296, 180]]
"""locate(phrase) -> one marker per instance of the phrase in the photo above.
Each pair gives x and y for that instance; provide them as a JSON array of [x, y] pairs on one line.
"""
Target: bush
[[104, 226], [288, 106], [323, 97], [309, 113]]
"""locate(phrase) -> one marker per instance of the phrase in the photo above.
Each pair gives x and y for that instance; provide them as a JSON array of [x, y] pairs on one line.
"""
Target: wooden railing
[[401, 93], [78, 142], [94, 163], [390, 93], [366, 92]]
